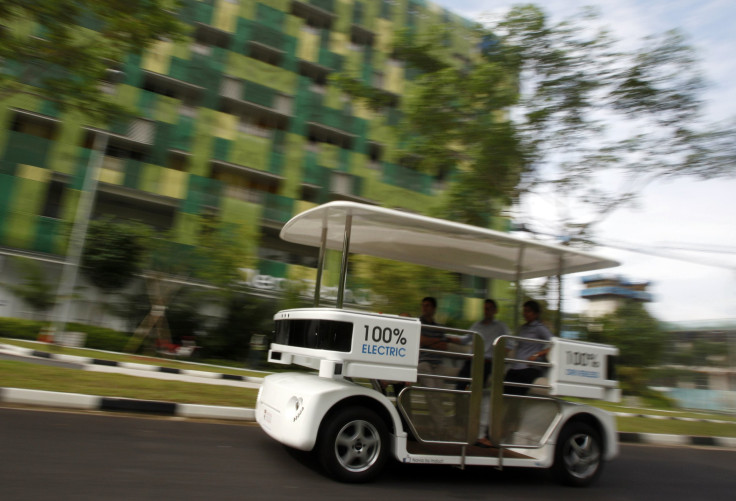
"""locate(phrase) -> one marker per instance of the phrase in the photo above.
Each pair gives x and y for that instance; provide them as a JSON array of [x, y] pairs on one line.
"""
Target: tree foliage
[[46, 54], [35, 290], [400, 287], [635, 332], [245, 315], [563, 110], [598, 121], [114, 252]]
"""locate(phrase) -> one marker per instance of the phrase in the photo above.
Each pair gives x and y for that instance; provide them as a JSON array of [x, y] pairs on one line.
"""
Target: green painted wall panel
[[64, 152], [7, 183], [294, 151], [48, 235], [133, 173], [26, 149], [262, 73], [26, 201], [167, 109], [128, 95], [201, 192], [28, 196], [251, 151]]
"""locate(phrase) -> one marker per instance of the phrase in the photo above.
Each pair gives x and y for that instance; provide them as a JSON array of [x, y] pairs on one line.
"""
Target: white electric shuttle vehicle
[[339, 411]]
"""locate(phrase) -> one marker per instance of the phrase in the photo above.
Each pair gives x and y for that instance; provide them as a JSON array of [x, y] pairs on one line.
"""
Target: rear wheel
[[353, 445], [578, 455]]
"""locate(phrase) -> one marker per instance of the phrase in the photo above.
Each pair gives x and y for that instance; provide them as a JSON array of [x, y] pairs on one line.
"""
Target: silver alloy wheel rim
[[357, 445], [581, 455]]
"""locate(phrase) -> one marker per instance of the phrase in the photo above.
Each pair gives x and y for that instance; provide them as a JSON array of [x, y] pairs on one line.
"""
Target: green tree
[[246, 315], [593, 113], [641, 342], [114, 252], [635, 332], [400, 287], [206, 268], [541, 112], [60, 50], [455, 124], [34, 290]]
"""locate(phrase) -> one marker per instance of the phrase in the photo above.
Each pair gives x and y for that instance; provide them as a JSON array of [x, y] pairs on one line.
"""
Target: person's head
[[490, 308], [531, 311], [429, 307]]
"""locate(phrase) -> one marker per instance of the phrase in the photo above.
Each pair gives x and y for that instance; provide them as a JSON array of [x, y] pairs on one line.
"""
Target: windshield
[[317, 334]]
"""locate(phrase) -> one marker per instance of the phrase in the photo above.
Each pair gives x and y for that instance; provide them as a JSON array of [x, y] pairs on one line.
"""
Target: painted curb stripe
[[131, 405]]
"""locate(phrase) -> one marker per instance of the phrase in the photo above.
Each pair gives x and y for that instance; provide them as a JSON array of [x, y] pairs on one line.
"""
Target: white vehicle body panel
[[291, 407]]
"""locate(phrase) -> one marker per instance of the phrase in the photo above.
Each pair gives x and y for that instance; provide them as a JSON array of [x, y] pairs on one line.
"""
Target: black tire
[[578, 455], [353, 445]]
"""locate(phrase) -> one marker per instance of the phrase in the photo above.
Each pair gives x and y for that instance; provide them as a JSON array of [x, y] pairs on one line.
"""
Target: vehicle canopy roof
[[412, 238]]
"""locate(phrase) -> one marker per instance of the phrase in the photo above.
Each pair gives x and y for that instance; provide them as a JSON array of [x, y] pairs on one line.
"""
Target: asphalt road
[[81, 456]]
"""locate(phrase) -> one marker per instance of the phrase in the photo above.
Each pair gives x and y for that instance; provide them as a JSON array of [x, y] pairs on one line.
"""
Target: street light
[[78, 236]]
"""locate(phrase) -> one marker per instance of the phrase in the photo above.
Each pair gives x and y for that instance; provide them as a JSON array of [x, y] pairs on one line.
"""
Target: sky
[[684, 213]]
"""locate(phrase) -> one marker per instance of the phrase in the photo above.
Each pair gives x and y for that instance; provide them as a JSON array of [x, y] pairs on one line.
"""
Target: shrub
[[98, 338], [20, 329]]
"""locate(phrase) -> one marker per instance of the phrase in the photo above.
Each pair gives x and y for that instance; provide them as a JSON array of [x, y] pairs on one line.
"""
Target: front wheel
[[578, 455], [353, 445]]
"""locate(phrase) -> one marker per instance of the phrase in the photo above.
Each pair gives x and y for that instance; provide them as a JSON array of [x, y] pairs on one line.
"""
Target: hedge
[[98, 338]]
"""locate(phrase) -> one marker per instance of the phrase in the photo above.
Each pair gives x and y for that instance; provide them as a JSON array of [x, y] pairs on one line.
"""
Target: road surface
[[82, 456]]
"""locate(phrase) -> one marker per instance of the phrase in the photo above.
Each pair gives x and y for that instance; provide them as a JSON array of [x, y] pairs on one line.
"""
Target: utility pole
[[70, 270]]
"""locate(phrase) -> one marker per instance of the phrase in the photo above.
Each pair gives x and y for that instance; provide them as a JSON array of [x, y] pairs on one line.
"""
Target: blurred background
[[150, 153]]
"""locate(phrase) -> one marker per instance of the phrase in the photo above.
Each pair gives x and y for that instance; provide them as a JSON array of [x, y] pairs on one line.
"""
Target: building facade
[[239, 120], [605, 293]]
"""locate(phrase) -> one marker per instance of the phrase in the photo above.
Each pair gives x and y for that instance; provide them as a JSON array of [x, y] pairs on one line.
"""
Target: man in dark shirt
[[432, 363]]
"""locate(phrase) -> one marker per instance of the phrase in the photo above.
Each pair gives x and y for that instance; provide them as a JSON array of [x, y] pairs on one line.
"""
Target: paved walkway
[[93, 402]]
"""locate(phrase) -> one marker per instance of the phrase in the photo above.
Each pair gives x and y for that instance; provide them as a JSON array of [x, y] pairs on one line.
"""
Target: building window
[[264, 53], [188, 94], [35, 125], [315, 14], [178, 160], [54, 199]]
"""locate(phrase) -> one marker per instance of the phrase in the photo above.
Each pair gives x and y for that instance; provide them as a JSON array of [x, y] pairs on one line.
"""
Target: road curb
[[160, 408], [665, 439], [78, 401], [28, 352]]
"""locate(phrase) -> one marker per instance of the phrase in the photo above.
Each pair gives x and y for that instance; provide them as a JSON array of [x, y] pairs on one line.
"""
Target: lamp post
[[78, 236]]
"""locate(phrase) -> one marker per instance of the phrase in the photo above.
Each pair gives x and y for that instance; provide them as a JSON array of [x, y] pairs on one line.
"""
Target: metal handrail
[[474, 392]]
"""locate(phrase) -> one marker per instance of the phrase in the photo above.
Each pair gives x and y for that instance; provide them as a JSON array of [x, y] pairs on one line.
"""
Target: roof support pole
[[560, 294], [320, 264], [519, 291], [345, 255]]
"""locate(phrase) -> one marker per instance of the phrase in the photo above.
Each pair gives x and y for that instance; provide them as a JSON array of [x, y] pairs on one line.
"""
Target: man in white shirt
[[489, 328]]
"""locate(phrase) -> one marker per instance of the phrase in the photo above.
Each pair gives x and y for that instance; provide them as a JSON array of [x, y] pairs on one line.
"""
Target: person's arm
[[433, 343], [545, 335]]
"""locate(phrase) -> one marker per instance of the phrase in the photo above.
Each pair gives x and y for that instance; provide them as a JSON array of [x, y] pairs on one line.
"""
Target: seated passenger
[[522, 372]]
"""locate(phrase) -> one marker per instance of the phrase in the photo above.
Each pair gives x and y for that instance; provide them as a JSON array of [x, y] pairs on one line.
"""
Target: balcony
[[317, 13], [361, 36], [255, 103]]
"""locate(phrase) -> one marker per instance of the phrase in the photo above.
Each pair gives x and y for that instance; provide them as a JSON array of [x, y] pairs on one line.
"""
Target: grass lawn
[[16, 374], [672, 427], [41, 377], [124, 357]]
